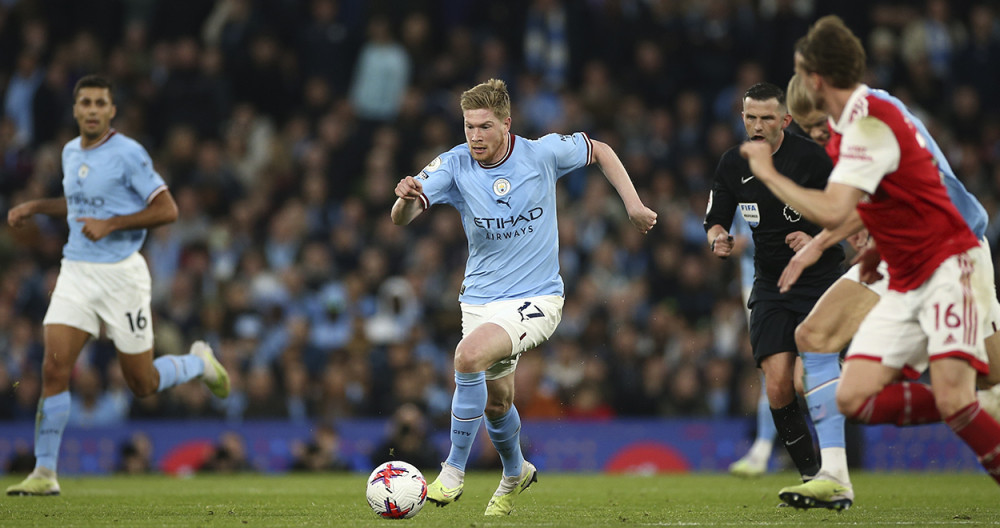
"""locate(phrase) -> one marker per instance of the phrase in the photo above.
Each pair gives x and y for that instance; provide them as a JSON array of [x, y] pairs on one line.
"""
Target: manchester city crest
[[83, 171], [501, 186]]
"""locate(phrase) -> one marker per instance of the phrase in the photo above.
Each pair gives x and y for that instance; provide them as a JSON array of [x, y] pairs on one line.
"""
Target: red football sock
[[980, 432], [902, 403]]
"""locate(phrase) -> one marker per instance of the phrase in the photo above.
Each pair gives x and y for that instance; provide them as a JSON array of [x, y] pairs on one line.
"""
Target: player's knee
[[55, 375], [808, 338], [468, 359], [780, 394], [465, 361]]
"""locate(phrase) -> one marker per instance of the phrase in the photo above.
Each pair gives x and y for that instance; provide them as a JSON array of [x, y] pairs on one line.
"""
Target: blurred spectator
[[398, 309], [229, 456], [407, 440], [136, 455], [533, 398], [7, 401], [381, 75], [327, 45], [15, 158], [263, 400], [21, 460], [319, 453], [975, 62], [684, 395], [933, 38], [90, 405], [589, 403], [21, 89], [884, 66], [548, 51]]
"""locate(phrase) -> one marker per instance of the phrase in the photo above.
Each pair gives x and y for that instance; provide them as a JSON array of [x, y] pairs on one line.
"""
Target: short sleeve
[[571, 151], [438, 181], [141, 175], [868, 151]]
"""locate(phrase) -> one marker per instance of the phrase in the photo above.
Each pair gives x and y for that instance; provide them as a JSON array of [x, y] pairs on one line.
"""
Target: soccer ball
[[396, 490]]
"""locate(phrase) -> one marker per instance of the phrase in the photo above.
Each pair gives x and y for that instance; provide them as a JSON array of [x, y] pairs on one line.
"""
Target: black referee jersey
[[736, 190]]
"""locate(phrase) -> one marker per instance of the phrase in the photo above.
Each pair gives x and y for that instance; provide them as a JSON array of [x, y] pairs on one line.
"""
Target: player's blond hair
[[491, 95], [800, 105]]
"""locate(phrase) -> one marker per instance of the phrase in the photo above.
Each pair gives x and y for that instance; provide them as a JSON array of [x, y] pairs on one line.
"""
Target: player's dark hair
[[833, 51], [93, 81], [763, 91]]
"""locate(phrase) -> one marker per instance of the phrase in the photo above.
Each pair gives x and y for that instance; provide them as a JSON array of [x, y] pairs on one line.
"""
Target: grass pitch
[[577, 500]]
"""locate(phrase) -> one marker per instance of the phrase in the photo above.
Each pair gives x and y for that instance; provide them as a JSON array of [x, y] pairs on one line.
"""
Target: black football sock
[[794, 433]]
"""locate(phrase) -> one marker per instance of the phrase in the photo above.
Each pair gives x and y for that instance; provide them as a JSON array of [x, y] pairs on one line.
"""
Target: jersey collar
[[857, 105], [506, 156], [104, 139]]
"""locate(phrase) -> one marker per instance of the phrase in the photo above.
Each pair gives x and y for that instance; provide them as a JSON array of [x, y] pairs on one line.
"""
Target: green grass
[[577, 500]]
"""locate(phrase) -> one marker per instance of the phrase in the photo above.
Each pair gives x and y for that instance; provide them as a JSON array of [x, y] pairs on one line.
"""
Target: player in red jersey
[[934, 314]]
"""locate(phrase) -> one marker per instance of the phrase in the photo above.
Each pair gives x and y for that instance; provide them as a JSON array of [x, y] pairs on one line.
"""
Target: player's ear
[[114, 110], [787, 120]]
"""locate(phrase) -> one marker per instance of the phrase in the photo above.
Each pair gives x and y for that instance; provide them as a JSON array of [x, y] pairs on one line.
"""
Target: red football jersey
[[832, 146], [907, 211]]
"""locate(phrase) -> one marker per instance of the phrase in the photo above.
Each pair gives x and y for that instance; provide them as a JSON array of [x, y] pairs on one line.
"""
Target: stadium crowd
[[282, 127]]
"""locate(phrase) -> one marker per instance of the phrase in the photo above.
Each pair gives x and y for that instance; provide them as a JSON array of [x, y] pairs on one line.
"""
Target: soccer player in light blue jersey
[[112, 196], [504, 186]]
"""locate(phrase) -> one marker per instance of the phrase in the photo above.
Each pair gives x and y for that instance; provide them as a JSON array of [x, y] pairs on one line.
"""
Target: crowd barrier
[[621, 445]]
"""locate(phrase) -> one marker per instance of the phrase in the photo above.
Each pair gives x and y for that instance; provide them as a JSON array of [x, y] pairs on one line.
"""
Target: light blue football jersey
[[113, 178], [968, 206], [509, 213]]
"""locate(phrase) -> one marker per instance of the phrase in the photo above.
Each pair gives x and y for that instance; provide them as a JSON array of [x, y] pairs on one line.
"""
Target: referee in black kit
[[778, 232]]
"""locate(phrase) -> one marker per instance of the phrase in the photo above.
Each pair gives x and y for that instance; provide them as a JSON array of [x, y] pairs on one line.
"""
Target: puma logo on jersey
[[504, 202]]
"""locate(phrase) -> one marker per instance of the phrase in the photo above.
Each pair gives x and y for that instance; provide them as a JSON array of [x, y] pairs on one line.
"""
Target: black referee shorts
[[772, 325]]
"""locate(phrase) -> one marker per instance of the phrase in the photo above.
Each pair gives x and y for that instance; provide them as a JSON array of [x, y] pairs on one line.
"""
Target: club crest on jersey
[[501, 187], [791, 214], [750, 213], [83, 171]]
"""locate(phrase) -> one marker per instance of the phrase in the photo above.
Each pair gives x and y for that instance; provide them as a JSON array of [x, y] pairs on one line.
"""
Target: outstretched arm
[[642, 217], [408, 204], [46, 206], [161, 210], [828, 207]]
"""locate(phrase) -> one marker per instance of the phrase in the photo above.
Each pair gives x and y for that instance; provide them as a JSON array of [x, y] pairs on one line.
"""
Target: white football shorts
[[529, 322], [118, 293], [947, 316], [880, 286]]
